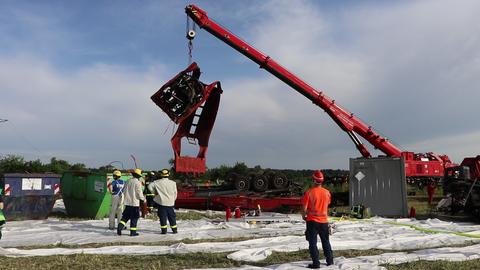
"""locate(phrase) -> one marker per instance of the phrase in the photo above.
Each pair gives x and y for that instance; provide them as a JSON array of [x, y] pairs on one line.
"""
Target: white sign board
[[31, 183], [99, 186], [359, 176]]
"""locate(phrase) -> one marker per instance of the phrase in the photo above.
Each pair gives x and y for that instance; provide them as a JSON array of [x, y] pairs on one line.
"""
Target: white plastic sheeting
[[374, 262], [54, 231], [285, 236]]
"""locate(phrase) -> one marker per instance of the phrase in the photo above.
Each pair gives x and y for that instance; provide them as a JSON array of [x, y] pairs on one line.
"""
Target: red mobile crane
[[417, 165], [193, 105]]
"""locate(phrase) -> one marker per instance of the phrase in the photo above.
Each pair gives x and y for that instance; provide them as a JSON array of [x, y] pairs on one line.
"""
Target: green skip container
[[86, 194]]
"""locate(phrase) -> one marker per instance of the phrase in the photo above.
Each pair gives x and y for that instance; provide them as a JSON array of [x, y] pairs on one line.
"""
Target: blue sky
[[76, 78]]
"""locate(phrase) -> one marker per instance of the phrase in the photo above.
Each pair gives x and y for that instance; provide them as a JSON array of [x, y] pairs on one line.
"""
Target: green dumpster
[[86, 194]]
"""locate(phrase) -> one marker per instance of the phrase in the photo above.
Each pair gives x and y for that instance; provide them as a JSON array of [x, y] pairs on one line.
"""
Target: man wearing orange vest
[[315, 206]]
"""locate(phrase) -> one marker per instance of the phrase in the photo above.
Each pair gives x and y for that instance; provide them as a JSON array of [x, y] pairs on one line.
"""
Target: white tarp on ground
[[54, 231], [373, 262], [285, 236]]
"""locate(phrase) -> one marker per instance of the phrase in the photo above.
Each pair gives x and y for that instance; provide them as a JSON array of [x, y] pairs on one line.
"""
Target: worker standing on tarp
[[116, 208], [2, 217], [132, 198], [165, 191], [148, 194], [315, 206], [430, 191]]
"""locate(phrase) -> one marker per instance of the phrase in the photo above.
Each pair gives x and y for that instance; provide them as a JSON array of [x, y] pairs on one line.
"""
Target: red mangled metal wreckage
[[193, 106]]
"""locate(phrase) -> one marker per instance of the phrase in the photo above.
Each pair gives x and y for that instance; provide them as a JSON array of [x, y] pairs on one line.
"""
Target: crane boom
[[344, 119], [417, 165]]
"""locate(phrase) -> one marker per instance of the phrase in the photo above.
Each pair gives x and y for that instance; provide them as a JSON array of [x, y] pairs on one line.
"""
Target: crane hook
[[191, 34]]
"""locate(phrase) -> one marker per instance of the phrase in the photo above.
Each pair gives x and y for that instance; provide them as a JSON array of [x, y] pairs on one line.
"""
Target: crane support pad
[[193, 105]]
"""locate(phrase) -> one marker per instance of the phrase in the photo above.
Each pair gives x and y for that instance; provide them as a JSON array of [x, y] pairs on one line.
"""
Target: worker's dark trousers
[[164, 213], [150, 202], [130, 213], [2, 222], [314, 229]]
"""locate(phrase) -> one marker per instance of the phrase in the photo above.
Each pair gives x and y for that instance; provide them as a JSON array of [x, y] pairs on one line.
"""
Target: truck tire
[[242, 183], [279, 181], [260, 183], [230, 179]]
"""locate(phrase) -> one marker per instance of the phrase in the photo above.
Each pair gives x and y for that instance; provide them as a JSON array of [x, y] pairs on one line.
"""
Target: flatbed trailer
[[221, 200]]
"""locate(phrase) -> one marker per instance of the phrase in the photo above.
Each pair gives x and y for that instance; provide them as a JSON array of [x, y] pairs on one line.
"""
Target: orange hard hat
[[317, 177]]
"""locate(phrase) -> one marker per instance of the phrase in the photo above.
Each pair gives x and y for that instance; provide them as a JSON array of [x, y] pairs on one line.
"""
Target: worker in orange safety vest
[[315, 203]]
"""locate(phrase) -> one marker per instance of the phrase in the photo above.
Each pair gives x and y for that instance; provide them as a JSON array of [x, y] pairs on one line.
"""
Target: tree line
[[18, 164], [241, 168]]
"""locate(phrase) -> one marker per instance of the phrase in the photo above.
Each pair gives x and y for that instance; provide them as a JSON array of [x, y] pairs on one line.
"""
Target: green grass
[[304, 255], [170, 261], [420, 203], [436, 265], [157, 243], [203, 260], [196, 216], [82, 261], [189, 215]]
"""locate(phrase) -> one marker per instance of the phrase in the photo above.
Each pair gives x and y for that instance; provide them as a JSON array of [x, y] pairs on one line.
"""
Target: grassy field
[[202, 260], [210, 260], [189, 215], [158, 243], [437, 265]]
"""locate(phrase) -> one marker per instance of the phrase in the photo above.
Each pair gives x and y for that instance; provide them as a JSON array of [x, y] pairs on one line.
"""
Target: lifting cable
[[190, 34]]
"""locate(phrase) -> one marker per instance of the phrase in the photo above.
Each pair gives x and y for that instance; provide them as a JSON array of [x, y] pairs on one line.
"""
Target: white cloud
[[97, 114], [456, 146], [407, 68]]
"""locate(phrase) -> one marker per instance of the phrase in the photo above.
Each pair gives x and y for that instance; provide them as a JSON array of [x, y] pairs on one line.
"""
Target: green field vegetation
[[436, 265], [419, 200], [189, 215], [157, 243], [202, 260]]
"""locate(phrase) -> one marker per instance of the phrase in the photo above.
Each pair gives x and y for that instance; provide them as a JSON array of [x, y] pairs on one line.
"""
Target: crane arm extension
[[344, 119]]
